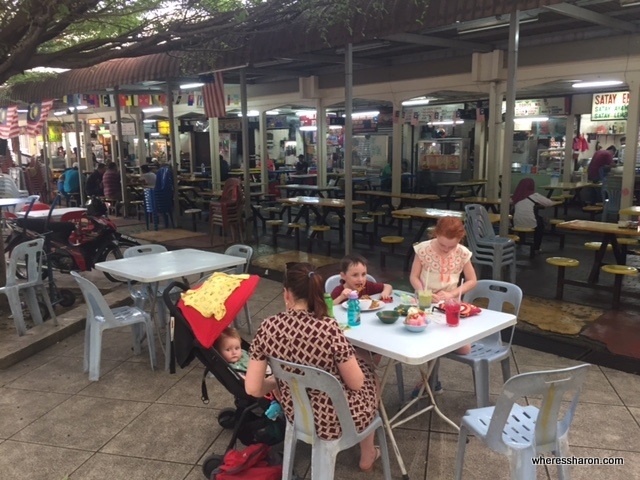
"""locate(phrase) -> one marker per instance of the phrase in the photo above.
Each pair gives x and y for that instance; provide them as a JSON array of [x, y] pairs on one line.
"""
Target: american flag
[[38, 113], [9, 122], [213, 97]]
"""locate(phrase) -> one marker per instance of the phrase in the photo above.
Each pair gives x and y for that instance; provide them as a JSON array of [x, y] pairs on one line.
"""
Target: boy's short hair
[[228, 332], [352, 259]]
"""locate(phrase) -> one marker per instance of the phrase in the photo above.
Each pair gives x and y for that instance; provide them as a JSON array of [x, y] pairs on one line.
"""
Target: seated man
[[93, 187]]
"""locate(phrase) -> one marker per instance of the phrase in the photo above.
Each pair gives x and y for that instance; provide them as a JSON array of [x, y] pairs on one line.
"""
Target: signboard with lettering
[[610, 106], [537, 107]]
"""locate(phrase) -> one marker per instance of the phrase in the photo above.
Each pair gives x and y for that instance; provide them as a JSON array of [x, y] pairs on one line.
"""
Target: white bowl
[[364, 304]]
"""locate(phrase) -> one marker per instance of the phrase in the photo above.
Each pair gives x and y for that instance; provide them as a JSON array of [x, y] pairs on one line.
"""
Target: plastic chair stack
[[9, 189], [490, 349], [486, 246], [226, 213], [100, 318], [301, 379], [522, 433], [29, 257]]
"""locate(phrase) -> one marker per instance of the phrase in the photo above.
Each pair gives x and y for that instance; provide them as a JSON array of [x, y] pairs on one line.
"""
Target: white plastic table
[[422, 349], [157, 267], [9, 202]]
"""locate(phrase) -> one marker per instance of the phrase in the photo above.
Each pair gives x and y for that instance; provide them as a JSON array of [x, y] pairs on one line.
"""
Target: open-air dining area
[[320, 240]]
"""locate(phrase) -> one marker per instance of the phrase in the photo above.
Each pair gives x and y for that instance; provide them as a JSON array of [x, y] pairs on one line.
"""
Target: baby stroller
[[194, 337]]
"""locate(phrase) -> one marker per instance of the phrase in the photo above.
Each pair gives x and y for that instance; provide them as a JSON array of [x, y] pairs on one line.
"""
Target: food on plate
[[416, 317], [374, 304], [466, 309]]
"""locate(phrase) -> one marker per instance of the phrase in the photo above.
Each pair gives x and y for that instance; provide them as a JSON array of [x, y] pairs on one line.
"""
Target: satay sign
[[610, 106]]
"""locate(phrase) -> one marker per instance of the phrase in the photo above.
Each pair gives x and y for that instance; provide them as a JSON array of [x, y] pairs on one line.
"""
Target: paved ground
[[137, 424]]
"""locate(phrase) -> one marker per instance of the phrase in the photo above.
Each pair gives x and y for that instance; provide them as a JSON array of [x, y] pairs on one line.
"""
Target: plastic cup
[[452, 312], [424, 299]]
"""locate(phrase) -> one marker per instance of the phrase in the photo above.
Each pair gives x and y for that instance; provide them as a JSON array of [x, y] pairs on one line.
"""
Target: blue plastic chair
[[490, 349], [300, 379], [522, 433]]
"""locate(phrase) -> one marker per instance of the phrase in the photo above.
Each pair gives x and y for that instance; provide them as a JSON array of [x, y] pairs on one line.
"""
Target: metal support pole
[[321, 142], [631, 148], [514, 34], [396, 158], [79, 155], [348, 147], [175, 154], [264, 152], [45, 161], [121, 165], [214, 149], [245, 150]]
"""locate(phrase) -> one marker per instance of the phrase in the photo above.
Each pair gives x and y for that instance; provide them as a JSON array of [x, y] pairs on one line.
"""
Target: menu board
[[610, 106], [440, 162]]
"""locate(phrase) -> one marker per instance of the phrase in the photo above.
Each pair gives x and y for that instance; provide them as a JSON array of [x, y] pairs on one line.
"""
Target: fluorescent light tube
[[152, 109], [597, 83], [188, 86]]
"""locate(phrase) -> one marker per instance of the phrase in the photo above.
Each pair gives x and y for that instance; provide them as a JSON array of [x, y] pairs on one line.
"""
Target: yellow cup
[[424, 299]]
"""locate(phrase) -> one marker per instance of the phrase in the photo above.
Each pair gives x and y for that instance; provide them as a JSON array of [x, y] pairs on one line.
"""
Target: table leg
[[421, 230], [598, 260]]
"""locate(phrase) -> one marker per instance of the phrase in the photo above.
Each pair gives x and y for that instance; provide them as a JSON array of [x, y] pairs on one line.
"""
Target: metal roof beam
[[431, 41], [580, 13], [318, 58]]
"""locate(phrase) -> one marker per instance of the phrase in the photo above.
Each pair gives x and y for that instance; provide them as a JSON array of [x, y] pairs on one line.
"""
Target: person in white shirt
[[525, 209], [148, 177]]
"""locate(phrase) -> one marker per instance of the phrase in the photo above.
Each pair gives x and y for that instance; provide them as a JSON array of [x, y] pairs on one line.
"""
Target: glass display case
[[447, 159], [550, 160]]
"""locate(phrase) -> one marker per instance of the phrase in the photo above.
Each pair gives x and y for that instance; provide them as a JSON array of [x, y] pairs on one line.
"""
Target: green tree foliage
[[80, 33]]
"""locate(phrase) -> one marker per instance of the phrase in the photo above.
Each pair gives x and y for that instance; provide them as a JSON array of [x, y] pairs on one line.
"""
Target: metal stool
[[317, 234], [193, 212], [618, 271], [275, 226], [522, 233], [401, 218], [364, 221], [392, 241], [562, 263], [592, 210]]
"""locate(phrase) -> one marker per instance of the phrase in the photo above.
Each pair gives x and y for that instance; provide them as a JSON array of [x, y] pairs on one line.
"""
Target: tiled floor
[[140, 424]]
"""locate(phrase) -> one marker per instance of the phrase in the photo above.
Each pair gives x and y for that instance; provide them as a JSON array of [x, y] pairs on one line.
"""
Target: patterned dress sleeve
[[342, 348], [257, 350]]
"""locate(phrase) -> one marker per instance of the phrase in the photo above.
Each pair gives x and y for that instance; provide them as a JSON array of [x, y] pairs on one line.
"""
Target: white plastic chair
[[300, 378], [522, 433], [28, 255], [334, 280], [246, 252], [331, 283], [490, 349], [100, 318], [30, 200]]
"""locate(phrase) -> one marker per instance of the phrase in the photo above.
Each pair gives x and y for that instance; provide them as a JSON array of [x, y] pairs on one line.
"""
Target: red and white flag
[[38, 113], [9, 122], [213, 97]]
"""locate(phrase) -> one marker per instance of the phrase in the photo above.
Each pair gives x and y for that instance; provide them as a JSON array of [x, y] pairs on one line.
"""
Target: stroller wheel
[[211, 463], [227, 418]]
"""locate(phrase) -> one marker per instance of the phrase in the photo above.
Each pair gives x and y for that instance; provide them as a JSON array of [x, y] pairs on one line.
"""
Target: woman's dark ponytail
[[305, 283]]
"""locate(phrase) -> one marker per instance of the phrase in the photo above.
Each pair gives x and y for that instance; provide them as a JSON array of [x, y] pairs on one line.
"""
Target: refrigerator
[[444, 160]]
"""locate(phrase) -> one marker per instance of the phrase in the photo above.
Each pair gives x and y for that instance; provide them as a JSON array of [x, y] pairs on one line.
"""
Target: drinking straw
[[426, 287]]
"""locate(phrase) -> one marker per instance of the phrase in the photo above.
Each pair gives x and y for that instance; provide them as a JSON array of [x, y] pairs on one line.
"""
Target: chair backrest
[[143, 250], [302, 378], [30, 256], [498, 293], [26, 203], [334, 280], [242, 251], [8, 188], [553, 385], [97, 307], [477, 223]]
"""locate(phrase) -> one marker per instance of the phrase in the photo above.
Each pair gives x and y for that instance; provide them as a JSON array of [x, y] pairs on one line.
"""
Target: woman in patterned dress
[[304, 334]]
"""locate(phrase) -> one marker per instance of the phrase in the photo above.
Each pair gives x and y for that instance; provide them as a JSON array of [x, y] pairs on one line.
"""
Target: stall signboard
[[540, 107], [429, 114], [128, 129], [610, 106], [95, 121], [230, 124]]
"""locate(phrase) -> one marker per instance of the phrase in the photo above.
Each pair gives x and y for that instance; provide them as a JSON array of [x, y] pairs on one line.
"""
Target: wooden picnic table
[[307, 190], [610, 232], [476, 187], [406, 199], [633, 211]]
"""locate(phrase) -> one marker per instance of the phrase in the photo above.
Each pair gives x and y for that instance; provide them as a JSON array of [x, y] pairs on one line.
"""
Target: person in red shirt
[[600, 164], [353, 276]]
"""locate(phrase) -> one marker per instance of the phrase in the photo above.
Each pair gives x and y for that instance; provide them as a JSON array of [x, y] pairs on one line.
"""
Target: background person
[[304, 334], [525, 209], [147, 177], [93, 187], [71, 185], [111, 182], [353, 276]]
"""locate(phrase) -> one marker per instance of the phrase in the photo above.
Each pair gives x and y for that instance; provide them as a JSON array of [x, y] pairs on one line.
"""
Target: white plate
[[366, 303]]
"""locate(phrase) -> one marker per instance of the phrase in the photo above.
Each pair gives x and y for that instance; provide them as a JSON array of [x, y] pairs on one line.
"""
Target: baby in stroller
[[196, 336]]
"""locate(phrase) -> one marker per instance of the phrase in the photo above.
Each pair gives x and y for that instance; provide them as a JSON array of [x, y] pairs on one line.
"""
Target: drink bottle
[[353, 310], [329, 301]]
